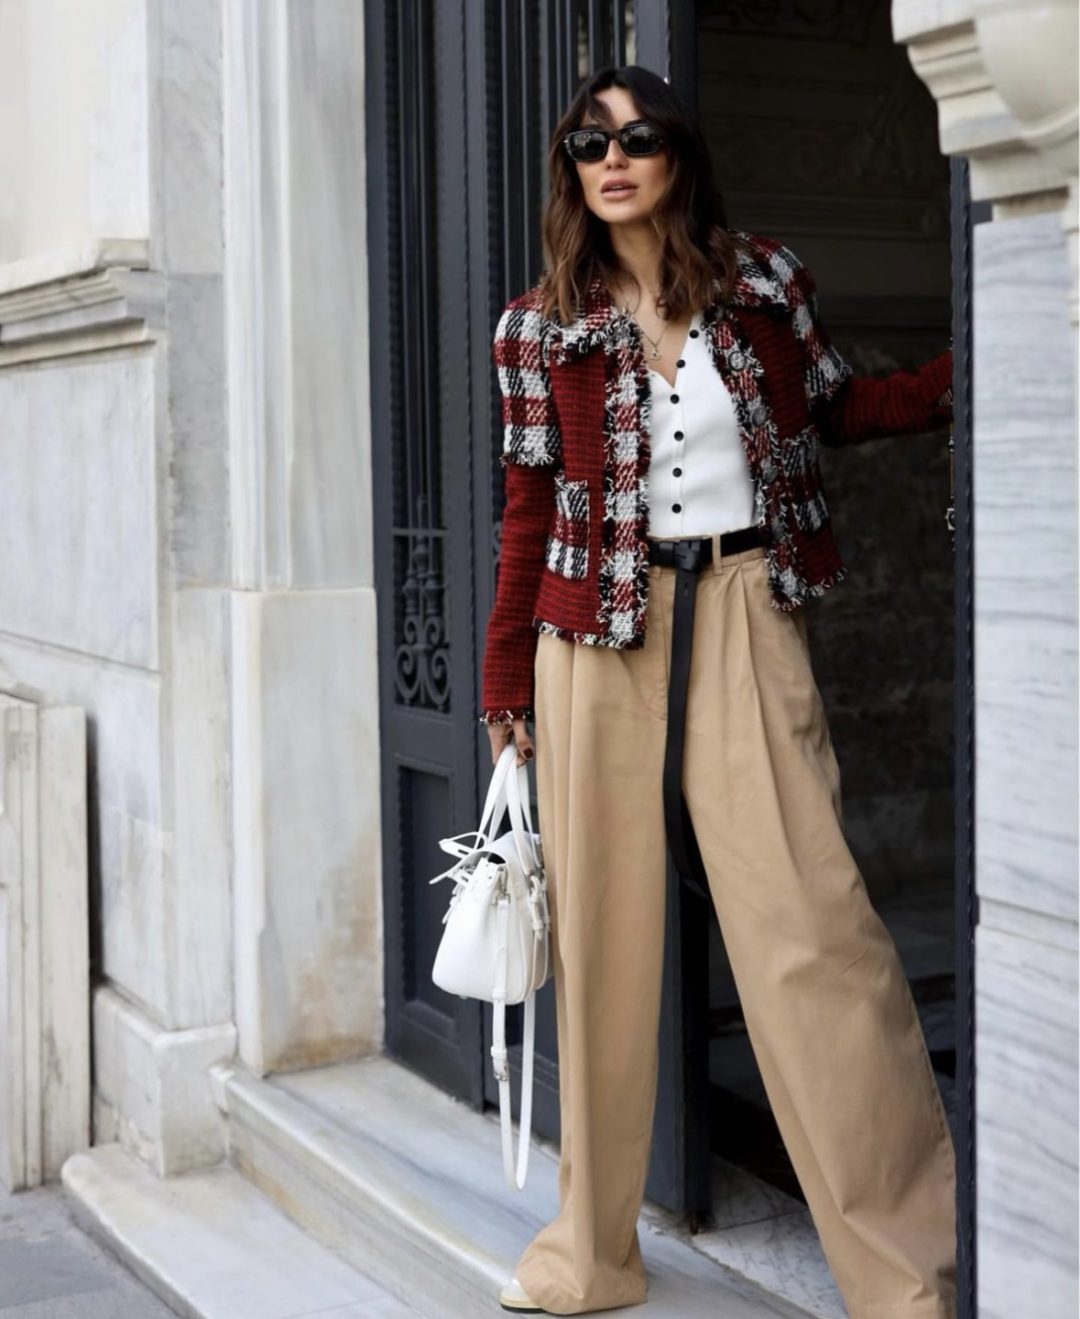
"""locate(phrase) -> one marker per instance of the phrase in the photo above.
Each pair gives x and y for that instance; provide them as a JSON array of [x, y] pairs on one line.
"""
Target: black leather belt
[[688, 556]]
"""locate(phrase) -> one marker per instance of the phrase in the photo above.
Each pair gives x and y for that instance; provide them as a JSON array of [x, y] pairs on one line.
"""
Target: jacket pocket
[[802, 475], [567, 550]]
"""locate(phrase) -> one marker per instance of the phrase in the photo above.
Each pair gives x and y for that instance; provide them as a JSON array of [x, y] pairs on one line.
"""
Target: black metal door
[[461, 99], [427, 271]]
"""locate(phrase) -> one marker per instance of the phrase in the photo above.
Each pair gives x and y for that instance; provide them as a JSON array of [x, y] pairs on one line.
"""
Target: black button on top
[[693, 334], [676, 508], [674, 398], [678, 435], [680, 362], [676, 471]]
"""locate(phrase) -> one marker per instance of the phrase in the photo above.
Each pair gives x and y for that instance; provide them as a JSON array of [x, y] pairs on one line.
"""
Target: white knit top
[[699, 481]]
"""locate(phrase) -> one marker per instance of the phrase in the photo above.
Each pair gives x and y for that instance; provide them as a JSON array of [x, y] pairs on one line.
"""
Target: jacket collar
[[602, 322]]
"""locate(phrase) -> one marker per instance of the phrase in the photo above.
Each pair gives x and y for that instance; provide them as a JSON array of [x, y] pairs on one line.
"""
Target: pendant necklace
[[655, 342]]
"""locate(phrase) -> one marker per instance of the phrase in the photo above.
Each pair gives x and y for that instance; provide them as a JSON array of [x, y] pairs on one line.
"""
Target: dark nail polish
[[528, 753]]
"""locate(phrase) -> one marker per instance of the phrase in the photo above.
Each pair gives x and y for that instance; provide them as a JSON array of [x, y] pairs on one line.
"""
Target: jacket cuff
[[507, 716]]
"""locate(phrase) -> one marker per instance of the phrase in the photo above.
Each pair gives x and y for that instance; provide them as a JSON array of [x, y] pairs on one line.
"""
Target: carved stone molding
[[79, 301], [1004, 74], [1031, 55]]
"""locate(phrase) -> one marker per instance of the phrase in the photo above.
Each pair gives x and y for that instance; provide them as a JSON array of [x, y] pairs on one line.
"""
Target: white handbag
[[496, 945]]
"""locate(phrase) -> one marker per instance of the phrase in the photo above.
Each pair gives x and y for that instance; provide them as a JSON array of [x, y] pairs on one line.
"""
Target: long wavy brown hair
[[698, 249]]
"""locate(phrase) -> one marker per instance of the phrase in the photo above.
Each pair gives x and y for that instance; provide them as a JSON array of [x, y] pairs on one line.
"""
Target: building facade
[[250, 258]]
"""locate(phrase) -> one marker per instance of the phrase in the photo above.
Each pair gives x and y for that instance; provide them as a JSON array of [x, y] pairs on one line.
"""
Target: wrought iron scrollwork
[[422, 658]]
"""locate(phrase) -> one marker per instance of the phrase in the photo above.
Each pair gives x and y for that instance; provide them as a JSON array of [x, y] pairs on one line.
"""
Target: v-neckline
[[673, 384]]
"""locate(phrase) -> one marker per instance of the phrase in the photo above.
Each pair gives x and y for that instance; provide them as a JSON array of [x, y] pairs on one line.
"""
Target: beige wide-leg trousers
[[828, 1009]]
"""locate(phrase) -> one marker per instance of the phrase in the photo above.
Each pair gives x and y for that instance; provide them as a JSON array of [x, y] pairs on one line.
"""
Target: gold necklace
[[655, 342], [654, 355]]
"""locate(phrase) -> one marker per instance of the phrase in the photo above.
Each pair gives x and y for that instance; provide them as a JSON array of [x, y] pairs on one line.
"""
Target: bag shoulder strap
[[501, 1062]]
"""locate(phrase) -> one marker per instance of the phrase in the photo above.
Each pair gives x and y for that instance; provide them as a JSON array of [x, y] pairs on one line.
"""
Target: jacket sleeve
[[849, 409], [531, 452]]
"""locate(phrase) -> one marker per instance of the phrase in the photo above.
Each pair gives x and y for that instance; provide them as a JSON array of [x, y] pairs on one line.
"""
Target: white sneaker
[[514, 1297]]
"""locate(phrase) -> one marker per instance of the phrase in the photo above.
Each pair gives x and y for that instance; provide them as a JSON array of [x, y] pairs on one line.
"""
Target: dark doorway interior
[[823, 137]]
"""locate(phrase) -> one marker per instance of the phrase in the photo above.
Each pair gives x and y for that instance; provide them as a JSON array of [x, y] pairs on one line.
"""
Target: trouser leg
[[828, 1010], [599, 753]]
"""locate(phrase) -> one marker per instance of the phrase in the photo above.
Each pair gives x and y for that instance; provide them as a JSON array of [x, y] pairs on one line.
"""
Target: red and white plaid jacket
[[575, 412]]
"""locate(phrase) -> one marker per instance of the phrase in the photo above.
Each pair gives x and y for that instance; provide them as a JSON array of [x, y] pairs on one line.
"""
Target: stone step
[[213, 1247], [406, 1184]]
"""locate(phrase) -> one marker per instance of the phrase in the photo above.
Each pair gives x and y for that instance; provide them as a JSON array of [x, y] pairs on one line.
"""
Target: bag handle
[[495, 803], [517, 798]]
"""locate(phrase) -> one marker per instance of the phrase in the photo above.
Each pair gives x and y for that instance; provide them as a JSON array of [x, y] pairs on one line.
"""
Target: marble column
[[1005, 77]]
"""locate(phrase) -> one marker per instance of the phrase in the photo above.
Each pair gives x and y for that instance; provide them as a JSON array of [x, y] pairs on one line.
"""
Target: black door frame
[[964, 215]]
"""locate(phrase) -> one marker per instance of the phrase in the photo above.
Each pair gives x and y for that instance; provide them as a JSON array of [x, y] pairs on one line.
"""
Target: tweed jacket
[[575, 403]]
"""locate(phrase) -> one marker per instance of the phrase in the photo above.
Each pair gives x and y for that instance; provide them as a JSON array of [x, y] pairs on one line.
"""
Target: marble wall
[[1026, 778], [44, 962], [183, 395], [304, 746], [74, 147], [1008, 96]]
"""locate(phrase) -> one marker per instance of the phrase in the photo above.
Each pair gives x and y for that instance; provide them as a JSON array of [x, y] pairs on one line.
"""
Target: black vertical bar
[[618, 33], [682, 51], [597, 50], [963, 215]]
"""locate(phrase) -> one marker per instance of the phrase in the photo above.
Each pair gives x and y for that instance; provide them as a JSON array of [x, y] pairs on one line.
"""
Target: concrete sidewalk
[[51, 1269], [208, 1244]]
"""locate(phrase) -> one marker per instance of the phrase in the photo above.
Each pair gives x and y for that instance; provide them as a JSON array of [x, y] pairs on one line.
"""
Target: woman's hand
[[500, 734]]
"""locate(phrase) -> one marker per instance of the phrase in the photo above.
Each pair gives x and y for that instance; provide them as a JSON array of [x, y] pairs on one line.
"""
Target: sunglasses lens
[[586, 144], [641, 140]]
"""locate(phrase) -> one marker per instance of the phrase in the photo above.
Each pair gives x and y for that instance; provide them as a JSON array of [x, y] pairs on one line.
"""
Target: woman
[[664, 388]]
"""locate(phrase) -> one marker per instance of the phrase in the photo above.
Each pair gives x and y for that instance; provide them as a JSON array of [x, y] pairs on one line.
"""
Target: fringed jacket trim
[[576, 427]]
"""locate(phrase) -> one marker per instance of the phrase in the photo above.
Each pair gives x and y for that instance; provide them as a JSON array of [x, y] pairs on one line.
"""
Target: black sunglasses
[[588, 144]]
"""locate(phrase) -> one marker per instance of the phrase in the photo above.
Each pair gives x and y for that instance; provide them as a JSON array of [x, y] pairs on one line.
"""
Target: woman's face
[[644, 176]]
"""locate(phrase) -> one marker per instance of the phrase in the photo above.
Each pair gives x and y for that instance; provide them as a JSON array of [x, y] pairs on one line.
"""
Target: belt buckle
[[688, 554]]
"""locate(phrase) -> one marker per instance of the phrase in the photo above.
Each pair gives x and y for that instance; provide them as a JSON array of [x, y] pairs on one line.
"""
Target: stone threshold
[[404, 1184]]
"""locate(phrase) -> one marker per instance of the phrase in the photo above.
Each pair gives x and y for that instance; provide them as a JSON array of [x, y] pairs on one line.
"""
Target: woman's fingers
[[500, 734], [524, 742]]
